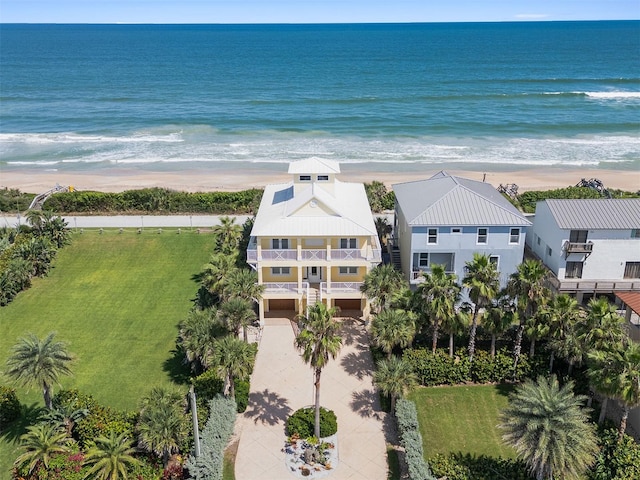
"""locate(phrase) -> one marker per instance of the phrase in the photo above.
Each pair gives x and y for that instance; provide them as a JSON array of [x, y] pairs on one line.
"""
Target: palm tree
[[233, 360], [391, 328], [536, 329], [161, 424], [228, 234], [498, 319], [527, 287], [549, 430], [482, 281], [562, 314], [216, 271], [40, 443], [39, 362], [238, 313], [439, 293], [197, 334], [318, 340], [65, 416], [381, 283], [394, 377], [383, 229], [111, 457], [615, 372], [602, 328], [456, 325], [242, 283]]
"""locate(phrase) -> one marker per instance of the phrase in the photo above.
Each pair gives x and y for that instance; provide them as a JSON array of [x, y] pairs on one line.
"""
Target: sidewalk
[[282, 383]]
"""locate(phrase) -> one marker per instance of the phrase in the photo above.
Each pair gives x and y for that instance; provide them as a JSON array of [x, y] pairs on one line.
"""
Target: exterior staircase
[[314, 297], [395, 258]]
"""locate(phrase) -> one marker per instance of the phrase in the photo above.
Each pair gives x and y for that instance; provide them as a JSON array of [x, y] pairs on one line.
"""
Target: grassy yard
[[462, 419], [116, 299]]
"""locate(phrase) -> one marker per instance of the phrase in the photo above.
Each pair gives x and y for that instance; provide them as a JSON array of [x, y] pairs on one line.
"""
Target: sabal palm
[[110, 457], [228, 234], [391, 328], [456, 325], [602, 326], [35, 362], [498, 319], [216, 271], [394, 377], [238, 313], [616, 373], [549, 429], [318, 340], [439, 293], [233, 359], [527, 286], [161, 424], [40, 443], [562, 314], [242, 283], [196, 336], [381, 284], [482, 280]]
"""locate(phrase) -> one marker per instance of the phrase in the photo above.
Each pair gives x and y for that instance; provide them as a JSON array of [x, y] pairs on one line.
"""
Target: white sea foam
[[612, 95]]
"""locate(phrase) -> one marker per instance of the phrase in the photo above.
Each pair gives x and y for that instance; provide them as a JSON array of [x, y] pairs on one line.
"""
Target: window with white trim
[[514, 236], [280, 270], [432, 236], [495, 259], [483, 233], [323, 178], [348, 270], [632, 270], [305, 178], [635, 233], [456, 230], [348, 243], [280, 243]]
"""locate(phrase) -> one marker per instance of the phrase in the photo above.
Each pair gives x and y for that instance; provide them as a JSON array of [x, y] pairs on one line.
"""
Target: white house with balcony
[[313, 240], [591, 246], [446, 219]]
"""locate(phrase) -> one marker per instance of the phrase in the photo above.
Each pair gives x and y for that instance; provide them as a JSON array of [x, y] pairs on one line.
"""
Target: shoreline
[[233, 178]]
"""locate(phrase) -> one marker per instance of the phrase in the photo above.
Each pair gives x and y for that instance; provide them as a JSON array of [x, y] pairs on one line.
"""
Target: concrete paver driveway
[[281, 383]]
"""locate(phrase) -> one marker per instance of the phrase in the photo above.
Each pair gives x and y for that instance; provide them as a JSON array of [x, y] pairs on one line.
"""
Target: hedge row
[[155, 200], [411, 440], [214, 437], [440, 369], [457, 466]]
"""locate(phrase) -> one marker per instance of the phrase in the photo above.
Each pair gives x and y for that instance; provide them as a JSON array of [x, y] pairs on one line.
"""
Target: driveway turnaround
[[282, 383]]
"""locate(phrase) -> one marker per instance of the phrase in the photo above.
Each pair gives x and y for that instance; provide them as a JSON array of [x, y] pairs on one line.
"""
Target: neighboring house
[[445, 220], [313, 240], [592, 246]]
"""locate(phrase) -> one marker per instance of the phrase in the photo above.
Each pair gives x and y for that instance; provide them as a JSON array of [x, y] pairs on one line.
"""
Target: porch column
[[328, 278], [259, 252], [299, 278], [299, 248], [259, 274], [261, 310]]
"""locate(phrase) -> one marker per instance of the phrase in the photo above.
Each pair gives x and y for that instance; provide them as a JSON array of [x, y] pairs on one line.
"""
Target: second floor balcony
[[255, 254], [584, 248]]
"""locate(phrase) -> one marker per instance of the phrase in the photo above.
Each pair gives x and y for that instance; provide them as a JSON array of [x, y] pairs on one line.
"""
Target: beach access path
[[132, 221], [282, 383]]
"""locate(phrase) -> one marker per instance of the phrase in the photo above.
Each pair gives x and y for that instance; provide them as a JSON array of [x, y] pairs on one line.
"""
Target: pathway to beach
[[282, 383]]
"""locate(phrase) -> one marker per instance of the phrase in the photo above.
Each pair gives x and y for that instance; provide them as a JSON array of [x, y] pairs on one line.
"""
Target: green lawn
[[462, 419], [116, 299]]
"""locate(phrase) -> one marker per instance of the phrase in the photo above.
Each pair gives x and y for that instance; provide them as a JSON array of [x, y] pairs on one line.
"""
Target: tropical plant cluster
[[380, 199], [618, 459], [13, 200], [155, 201], [214, 438], [224, 308], [28, 251], [411, 440], [457, 466], [302, 422], [527, 200]]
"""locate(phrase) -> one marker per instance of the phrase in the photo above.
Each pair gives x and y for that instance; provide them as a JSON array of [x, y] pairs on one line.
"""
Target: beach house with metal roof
[[313, 240], [591, 246], [446, 219]]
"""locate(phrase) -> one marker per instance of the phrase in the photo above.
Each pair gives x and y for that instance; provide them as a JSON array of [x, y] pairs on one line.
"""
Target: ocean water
[[177, 97]]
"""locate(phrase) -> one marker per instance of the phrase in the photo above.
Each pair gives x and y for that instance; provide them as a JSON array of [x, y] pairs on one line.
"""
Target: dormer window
[[305, 178], [323, 178]]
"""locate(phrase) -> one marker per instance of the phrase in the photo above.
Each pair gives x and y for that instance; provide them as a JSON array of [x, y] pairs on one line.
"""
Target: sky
[[312, 11]]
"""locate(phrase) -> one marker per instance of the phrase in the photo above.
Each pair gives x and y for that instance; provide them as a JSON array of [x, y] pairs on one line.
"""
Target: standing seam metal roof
[[596, 213]]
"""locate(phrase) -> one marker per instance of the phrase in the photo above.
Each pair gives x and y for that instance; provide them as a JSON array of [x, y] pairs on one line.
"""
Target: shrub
[[242, 395], [469, 467], [616, 460], [302, 422], [411, 440], [9, 406], [215, 435]]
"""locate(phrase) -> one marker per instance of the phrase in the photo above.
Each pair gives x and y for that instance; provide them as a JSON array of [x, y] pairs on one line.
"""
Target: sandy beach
[[257, 176]]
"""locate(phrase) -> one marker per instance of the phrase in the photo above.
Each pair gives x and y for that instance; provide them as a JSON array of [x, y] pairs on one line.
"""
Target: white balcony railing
[[342, 287], [317, 254], [282, 287]]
